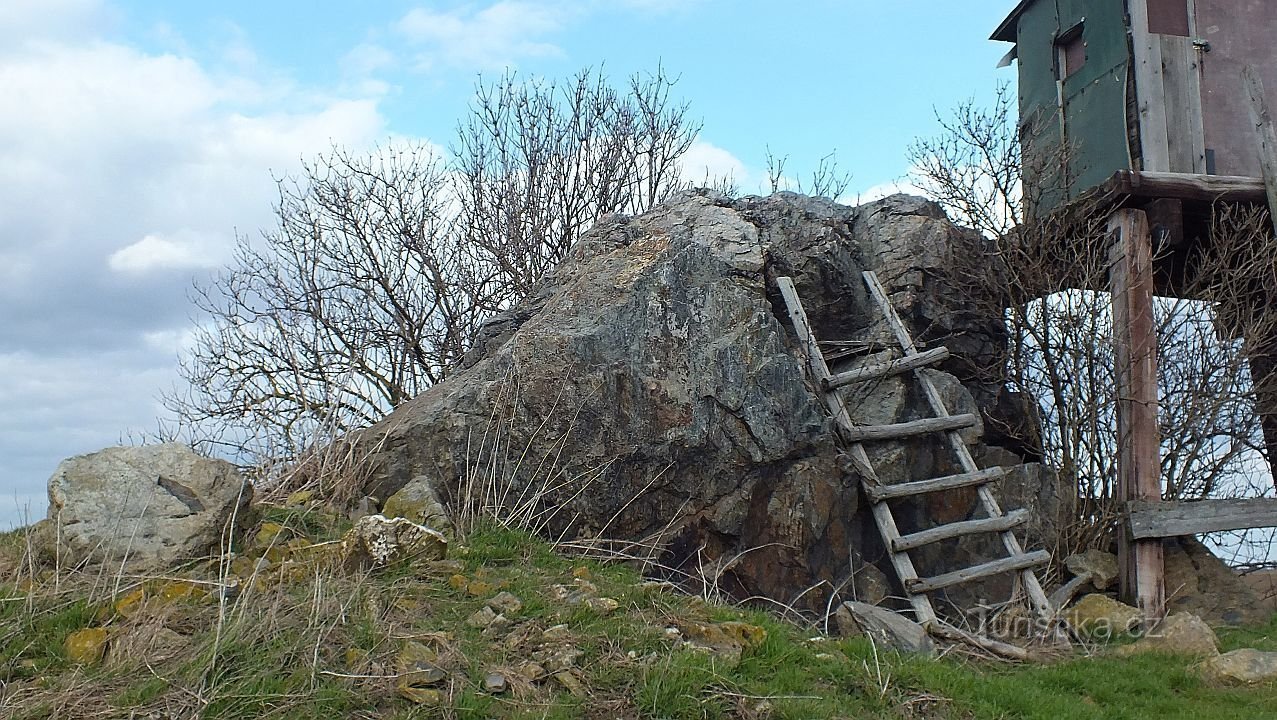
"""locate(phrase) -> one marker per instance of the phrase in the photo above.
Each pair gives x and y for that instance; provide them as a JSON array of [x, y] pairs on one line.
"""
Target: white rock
[[150, 506]]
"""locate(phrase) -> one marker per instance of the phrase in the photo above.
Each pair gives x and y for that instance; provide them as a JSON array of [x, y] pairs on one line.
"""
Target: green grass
[[33, 635], [325, 647], [1263, 637]]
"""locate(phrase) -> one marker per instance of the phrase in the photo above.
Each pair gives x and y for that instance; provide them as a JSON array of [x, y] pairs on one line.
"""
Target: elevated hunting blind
[[1138, 85], [1155, 110]]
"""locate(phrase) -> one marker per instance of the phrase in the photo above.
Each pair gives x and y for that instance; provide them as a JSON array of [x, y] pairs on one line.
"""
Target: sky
[[138, 137]]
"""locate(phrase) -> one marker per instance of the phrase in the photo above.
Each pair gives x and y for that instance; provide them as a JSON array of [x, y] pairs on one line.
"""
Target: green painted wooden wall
[[1094, 134]]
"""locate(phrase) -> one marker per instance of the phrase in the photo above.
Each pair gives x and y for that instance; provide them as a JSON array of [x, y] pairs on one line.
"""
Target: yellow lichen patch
[[301, 498], [728, 639], [173, 590], [356, 659], [1101, 618], [323, 554], [270, 534], [130, 602], [86, 647], [243, 566], [480, 588]]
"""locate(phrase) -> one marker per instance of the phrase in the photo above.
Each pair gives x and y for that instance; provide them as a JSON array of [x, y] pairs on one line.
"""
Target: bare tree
[[538, 163], [356, 301], [381, 268], [1046, 276], [826, 180]]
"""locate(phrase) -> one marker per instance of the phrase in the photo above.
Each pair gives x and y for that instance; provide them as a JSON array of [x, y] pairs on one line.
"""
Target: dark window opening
[[1168, 17], [1070, 52]]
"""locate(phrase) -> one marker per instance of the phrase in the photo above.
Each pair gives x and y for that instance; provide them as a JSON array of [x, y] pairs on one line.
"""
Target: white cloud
[[365, 59], [123, 174], [493, 37], [882, 190], [27, 21], [183, 251], [705, 162]]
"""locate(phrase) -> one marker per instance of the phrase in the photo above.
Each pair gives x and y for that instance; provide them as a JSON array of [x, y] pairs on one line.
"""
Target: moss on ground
[[318, 643]]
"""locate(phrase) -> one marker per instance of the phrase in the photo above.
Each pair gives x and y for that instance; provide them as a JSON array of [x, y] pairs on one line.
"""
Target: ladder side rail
[[1037, 596], [924, 613]]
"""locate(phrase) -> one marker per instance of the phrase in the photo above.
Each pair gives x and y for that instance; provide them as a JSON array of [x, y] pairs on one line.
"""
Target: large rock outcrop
[[149, 507], [652, 391]]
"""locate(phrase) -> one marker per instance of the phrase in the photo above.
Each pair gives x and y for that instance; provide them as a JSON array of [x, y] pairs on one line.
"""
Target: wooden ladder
[[898, 546]]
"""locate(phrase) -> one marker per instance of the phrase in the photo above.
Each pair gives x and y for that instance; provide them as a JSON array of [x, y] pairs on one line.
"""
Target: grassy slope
[[323, 644]]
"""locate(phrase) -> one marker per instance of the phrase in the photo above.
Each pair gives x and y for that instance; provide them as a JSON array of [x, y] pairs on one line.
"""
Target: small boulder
[[883, 627], [86, 647], [151, 506], [728, 640], [1247, 666], [505, 603], [377, 542], [1099, 566], [1180, 633], [1099, 617], [483, 617], [495, 683], [417, 501]]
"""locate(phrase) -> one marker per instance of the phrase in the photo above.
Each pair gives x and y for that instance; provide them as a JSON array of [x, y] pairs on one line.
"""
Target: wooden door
[[1168, 69]]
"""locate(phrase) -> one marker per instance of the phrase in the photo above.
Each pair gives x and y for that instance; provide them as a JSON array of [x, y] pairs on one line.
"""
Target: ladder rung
[[878, 493], [1012, 519], [975, 572], [887, 369], [896, 431]]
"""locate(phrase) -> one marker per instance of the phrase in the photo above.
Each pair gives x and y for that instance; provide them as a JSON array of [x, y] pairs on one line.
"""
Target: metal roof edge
[[1006, 30]]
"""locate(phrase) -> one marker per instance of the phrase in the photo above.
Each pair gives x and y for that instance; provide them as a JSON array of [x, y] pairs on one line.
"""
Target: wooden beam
[[878, 493], [977, 572], [1135, 352], [1013, 519], [1181, 83], [1257, 103], [1186, 186], [944, 631], [1168, 519], [1166, 221], [1150, 91], [899, 431], [887, 369]]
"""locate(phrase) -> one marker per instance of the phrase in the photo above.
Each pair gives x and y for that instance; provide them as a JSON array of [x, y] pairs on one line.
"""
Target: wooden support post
[[1135, 352], [1265, 132], [1263, 351]]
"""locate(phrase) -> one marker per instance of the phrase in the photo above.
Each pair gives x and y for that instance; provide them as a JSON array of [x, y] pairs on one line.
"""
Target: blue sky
[[138, 136]]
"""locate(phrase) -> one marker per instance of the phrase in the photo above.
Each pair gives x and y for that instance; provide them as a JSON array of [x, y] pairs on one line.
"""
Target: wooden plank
[[1182, 85], [1262, 119], [1012, 519], [1037, 596], [879, 493], [903, 564], [1135, 352], [887, 369], [1183, 186], [1193, 100], [913, 428], [1150, 91], [1152, 519], [944, 631], [1015, 563], [1149, 87]]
